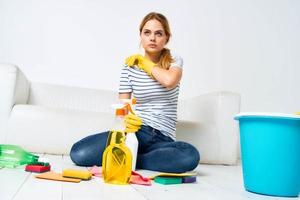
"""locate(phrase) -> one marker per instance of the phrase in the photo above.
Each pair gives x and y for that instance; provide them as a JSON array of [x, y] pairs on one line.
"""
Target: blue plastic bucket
[[270, 152]]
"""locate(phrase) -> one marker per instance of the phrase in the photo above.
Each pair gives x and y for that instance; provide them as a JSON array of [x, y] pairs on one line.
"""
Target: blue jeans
[[156, 152]]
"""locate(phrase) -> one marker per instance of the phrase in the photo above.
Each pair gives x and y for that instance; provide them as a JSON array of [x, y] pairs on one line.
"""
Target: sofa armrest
[[206, 121], [14, 89]]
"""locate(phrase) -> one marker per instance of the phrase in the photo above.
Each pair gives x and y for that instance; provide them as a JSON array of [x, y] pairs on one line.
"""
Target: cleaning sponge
[[73, 173], [167, 180]]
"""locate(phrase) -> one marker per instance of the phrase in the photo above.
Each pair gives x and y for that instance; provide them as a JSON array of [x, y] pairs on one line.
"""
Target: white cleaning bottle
[[131, 139], [132, 143]]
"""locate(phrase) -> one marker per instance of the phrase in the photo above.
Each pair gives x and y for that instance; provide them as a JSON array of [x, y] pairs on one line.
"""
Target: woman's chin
[[152, 50]]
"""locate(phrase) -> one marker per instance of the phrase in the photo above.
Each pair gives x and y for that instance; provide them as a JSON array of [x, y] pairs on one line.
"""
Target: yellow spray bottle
[[117, 158]]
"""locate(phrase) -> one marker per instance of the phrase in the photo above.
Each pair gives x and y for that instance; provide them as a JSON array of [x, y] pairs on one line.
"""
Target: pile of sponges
[[173, 178]]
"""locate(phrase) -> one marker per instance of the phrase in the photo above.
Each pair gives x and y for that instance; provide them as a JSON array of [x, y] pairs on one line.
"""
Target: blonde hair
[[165, 59]]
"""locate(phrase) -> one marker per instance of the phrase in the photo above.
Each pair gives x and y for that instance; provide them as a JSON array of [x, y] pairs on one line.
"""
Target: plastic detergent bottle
[[131, 140], [117, 158], [12, 156]]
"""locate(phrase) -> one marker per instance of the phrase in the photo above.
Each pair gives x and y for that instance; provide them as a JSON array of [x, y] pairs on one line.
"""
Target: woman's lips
[[152, 45]]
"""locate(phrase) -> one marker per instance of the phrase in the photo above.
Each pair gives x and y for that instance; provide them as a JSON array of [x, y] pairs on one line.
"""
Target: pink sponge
[[37, 168]]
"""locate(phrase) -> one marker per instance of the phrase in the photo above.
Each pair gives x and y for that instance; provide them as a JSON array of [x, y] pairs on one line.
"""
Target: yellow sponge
[[74, 173]]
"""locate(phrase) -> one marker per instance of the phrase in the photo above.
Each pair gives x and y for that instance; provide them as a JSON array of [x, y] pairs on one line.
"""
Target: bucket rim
[[266, 115]]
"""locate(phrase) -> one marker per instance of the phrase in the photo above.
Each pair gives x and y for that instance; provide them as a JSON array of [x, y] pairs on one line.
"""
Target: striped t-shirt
[[156, 105]]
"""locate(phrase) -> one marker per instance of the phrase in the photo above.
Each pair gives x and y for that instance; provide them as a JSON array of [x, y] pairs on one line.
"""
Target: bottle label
[[8, 151]]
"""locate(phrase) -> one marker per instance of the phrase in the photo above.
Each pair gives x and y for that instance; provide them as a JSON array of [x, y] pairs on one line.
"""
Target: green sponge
[[168, 180]]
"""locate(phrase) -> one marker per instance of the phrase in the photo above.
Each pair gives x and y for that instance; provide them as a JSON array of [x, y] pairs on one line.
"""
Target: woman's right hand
[[133, 60], [142, 62], [133, 123]]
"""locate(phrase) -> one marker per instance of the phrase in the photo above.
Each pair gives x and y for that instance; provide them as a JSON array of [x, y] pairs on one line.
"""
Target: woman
[[153, 79]]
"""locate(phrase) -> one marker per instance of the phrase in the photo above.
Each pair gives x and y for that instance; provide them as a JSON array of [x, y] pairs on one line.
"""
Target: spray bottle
[[131, 140], [13, 156], [117, 158]]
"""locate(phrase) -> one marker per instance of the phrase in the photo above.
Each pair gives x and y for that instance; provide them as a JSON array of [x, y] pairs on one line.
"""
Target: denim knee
[[195, 157], [78, 155], [191, 156], [88, 151]]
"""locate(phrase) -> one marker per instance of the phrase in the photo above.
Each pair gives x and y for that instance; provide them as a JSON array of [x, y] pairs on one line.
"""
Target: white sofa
[[46, 118]]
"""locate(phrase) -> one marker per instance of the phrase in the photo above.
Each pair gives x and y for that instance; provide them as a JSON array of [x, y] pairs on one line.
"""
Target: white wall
[[250, 47]]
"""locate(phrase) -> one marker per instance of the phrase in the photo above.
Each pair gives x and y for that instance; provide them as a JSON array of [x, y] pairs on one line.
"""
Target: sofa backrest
[[75, 98]]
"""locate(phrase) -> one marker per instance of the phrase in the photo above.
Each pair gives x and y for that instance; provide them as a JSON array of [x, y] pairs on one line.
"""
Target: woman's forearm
[[124, 95], [167, 78]]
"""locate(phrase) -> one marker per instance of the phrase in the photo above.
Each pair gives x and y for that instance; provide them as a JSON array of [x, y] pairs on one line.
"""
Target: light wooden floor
[[214, 182]]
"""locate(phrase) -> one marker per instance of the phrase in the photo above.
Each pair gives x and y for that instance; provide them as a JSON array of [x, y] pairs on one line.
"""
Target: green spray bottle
[[13, 156]]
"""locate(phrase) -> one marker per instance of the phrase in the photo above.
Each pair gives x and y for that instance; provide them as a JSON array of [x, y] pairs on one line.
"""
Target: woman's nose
[[152, 37]]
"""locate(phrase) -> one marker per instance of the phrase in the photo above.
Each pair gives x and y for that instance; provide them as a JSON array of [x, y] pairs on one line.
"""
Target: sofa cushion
[[52, 130]]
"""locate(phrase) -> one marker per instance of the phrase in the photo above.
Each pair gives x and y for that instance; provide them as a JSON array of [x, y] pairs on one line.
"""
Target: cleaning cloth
[[138, 179], [135, 177], [57, 177], [96, 171]]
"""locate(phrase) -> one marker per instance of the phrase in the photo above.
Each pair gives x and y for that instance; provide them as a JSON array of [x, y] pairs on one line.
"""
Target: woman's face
[[153, 37]]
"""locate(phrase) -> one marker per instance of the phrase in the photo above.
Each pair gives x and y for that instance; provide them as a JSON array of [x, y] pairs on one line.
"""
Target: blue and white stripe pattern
[[156, 105]]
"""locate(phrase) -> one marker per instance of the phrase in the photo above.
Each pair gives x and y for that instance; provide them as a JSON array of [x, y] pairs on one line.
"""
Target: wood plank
[[213, 182], [229, 179], [36, 189], [226, 177], [200, 190], [96, 188], [11, 180]]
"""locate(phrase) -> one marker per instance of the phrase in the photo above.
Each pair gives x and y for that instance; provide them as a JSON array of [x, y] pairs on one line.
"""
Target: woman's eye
[[147, 32], [159, 34]]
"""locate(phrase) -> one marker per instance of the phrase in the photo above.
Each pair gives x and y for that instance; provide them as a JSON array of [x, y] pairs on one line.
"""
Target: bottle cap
[[133, 101], [121, 112]]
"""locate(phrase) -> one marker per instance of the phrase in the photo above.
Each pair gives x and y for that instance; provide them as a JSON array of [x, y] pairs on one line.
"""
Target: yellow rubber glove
[[142, 62], [132, 122], [133, 60]]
